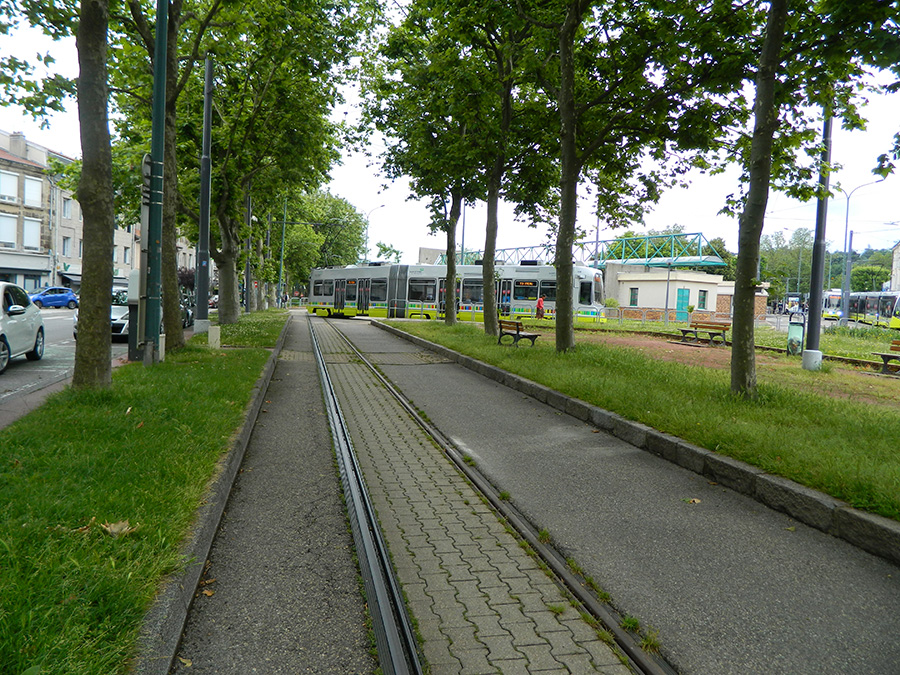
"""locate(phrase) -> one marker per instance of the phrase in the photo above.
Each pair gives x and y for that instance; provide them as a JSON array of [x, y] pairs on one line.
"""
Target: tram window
[[548, 290], [525, 290], [886, 305], [378, 290], [586, 293], [350, 293], [323, 287], [422, 290], [472, 291]]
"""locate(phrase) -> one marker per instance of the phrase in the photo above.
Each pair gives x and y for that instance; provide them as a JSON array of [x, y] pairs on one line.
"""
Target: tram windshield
[[525, 290]]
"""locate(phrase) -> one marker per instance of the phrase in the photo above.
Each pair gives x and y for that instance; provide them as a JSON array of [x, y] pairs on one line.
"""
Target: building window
[[81, 248], [31, 231], [34, 188], [126, 255], [633, 297], [701, 299], [8, 231], [9, 187], [32, 282], [115, 254], [67, 246], [67, 207]]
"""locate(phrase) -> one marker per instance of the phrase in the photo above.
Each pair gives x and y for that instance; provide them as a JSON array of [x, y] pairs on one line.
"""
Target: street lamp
[[845, 286], [366, 255]]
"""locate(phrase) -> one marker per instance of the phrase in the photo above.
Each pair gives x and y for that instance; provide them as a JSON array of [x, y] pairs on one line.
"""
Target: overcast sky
[[874, 215]]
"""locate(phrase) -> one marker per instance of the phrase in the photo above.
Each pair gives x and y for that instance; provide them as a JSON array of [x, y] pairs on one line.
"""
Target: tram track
[[394, 638], [640, 661]]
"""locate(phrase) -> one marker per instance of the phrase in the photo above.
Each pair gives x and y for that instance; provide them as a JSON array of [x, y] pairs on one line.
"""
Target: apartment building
[[41, 233]]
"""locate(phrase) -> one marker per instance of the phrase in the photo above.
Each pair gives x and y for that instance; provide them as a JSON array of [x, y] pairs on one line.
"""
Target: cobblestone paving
[[481, 604]]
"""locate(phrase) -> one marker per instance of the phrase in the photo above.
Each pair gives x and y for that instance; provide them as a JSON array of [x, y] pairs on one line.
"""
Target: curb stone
[[164, 622], [875, 534]]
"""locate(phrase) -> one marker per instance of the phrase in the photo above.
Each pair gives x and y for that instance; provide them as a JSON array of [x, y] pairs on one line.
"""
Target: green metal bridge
[[670, 250]]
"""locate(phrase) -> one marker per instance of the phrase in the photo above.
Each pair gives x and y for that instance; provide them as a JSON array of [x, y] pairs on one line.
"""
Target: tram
[[875, 308], [831, 304], [418, 291]]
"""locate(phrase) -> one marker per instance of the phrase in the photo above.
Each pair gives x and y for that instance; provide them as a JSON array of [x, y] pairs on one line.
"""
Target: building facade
[[41, 233]]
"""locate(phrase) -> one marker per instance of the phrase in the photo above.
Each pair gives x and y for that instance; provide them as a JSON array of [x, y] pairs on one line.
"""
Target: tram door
[[362, 300], [442, 296], [340, 294], [504, 297]]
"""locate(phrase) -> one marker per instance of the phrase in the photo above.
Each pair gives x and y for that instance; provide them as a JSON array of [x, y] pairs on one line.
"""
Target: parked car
[[54, 296], [21, 326], [118, 315]]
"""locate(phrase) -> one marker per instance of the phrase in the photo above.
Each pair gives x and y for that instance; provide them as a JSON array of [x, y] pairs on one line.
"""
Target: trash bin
[[796, 333]]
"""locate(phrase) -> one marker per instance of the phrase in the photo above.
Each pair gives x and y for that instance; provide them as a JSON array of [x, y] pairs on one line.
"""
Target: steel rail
[[640, 661], [394, 638]]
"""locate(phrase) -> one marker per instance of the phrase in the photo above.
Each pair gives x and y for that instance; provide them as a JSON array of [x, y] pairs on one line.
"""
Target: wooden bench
[[714, 329], [887, 357], [515, 331]]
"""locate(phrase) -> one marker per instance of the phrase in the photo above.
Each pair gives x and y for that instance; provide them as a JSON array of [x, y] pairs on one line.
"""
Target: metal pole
[[817, 272], [281, 264], [201, 324], [366, 256], [845, 284], [157, 156]]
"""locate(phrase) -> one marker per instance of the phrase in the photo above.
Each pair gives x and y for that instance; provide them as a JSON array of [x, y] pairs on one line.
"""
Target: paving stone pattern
[[481, 604]]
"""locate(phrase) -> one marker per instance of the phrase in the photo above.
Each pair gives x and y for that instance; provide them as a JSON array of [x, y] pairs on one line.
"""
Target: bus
[[418, 291]]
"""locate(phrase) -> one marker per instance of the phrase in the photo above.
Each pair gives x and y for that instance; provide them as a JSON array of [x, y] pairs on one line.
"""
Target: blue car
[[54, 296]]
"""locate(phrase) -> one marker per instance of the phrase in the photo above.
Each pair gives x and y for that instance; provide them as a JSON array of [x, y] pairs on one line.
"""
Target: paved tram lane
[[731, 586], [481, 604]]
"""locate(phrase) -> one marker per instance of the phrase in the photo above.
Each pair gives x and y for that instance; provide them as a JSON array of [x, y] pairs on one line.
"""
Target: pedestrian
[[540, 307]]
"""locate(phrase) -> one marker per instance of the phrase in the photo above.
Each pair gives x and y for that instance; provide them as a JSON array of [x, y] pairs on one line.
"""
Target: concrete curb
[[164, 623], [875, 534]]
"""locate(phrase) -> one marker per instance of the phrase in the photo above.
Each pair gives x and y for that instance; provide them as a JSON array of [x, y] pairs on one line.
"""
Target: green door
[[684, 299]]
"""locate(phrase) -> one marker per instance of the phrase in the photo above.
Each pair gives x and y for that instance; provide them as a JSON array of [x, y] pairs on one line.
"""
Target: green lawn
[[72, 596]]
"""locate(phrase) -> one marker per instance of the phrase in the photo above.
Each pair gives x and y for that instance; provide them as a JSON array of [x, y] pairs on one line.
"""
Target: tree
[[869, 277], [633, 88], [388, 252], [822, 62], [276, 83], [93, 365]]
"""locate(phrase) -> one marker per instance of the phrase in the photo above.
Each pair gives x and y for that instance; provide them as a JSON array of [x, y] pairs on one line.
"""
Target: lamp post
[[845, 286], [366, 254]]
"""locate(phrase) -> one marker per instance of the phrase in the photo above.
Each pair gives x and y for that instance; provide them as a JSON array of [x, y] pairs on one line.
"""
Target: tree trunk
[[743, 356], [569, 172], [450, 282], [226, 262], [93, 361], [491, 324]]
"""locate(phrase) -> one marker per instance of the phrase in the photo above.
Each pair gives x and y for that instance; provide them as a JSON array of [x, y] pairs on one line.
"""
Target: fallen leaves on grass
[[119, 529]]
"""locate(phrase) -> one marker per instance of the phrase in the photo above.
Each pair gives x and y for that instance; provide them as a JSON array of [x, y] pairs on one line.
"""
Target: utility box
[[796, 333]]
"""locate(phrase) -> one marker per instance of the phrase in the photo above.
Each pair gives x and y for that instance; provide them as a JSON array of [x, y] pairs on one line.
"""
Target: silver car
[[21, 326], [118, 315]]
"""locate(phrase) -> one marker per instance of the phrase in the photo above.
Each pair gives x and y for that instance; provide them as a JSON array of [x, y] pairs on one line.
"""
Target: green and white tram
[[875, 308], [418, 291]]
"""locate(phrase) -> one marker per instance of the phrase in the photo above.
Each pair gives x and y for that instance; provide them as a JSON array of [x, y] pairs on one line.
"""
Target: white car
[[21, 326], [118, 315]]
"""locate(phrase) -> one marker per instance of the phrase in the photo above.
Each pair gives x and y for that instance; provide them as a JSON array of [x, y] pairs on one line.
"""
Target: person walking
[[540, 307]]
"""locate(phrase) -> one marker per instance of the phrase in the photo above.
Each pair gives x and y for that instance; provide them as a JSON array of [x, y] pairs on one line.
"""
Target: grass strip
[[72, 596], [841, 447]]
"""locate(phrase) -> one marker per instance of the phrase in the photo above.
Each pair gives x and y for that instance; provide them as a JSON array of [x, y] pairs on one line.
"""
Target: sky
[[874, 210]]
